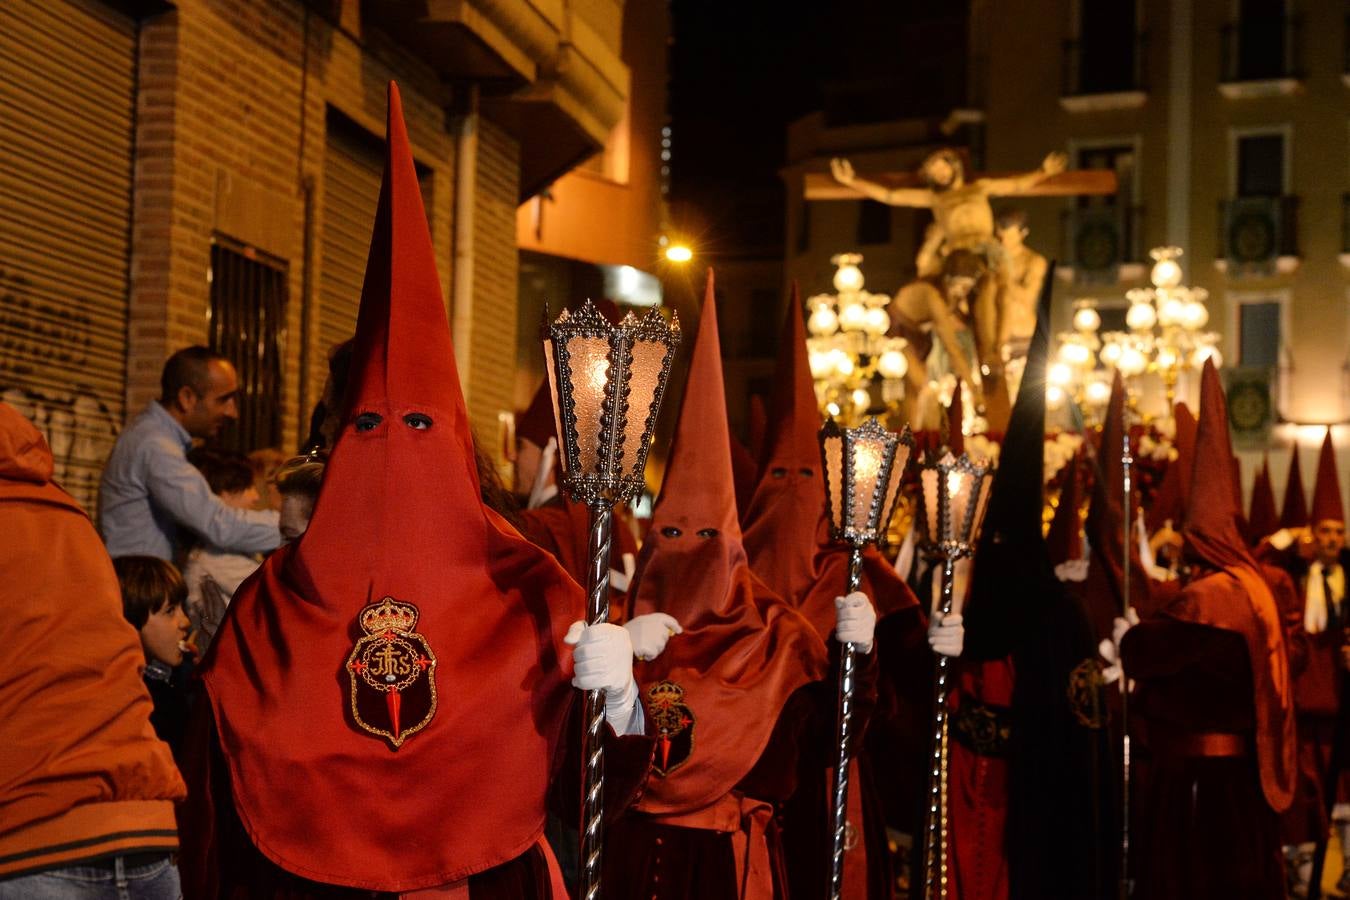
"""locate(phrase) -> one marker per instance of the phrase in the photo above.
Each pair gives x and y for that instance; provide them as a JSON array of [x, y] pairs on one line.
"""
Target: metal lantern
[[607, 383], [953, 495], [863, 467], [952, 498]]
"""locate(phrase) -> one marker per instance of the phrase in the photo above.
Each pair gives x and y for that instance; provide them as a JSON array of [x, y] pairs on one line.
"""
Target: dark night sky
[[741, 70]]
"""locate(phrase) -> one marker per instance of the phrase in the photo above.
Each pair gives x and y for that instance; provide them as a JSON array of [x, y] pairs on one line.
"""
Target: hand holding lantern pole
[[862, 467], [953, 494], [607, 383]]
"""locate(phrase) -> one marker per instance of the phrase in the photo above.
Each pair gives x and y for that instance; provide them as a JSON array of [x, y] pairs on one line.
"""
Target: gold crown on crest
[[665, 692], [388, 615]]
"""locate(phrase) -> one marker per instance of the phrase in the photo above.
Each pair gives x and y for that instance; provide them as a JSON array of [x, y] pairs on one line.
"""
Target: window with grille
[[247, 326]]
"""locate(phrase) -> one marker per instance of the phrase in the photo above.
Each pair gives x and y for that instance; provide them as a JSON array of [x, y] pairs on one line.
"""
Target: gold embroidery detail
[[390, 659]]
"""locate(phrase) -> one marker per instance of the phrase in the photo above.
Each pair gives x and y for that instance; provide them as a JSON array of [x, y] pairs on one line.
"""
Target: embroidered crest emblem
[[1085, 694], [984, 728], [392, 672], [674, 726]]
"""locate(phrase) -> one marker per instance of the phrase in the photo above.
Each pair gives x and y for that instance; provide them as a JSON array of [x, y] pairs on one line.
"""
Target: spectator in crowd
[[151, 498], [230, 477], [87, 790], [265, 462], [297, 483], [153, 594]]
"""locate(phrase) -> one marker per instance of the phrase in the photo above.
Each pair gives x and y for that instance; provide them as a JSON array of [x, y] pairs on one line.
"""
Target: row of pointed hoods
[[1295, 512], [1171, 500]]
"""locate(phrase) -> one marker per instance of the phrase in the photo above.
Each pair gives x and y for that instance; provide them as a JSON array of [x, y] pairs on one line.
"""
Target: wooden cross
[[1076, 183]]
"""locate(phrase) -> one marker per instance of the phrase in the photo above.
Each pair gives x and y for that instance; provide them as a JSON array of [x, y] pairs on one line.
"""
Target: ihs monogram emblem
[[674, 726], [392, 672]]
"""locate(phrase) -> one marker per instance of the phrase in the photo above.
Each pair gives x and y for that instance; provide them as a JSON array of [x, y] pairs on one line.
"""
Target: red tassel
[[395, 703]]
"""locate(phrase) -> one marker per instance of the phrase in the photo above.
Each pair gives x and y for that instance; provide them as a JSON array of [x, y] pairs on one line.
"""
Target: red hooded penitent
[[1262, 520], [744, 651], [1294, 510], [1326, 502], [1236, 597], [456, 783], [787, 538]]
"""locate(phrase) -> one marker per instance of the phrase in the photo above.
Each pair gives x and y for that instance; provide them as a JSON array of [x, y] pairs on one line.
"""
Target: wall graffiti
[[81, 431], [61, 367]]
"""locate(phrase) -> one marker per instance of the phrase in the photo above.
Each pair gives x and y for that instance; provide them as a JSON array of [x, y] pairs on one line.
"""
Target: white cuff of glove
[[623, 711], [855, 621]]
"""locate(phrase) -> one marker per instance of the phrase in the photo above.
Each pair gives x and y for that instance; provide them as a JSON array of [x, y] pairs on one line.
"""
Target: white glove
[[946, 634], [1110, 649], [649, 634], [855, 621], [1073, 569], [603, 660]]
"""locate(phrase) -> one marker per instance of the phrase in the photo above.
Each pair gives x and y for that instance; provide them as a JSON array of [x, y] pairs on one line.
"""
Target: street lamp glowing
[[679, 253]]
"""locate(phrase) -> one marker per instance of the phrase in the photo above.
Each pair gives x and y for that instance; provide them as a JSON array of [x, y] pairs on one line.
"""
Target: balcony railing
[[1262, 48], [1098, 240], [1254, 232], [1096, 69]]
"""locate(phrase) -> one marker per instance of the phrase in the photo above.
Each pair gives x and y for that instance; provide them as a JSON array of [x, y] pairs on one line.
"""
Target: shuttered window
[[353, 166], [67, 78]]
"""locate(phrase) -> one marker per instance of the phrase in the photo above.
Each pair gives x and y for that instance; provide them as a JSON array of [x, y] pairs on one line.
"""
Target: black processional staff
[[1127, 527], [953, 495], [607, 383], [863, 468]]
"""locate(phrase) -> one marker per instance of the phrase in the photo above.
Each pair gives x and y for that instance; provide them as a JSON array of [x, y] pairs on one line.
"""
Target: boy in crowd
[[153, 594]]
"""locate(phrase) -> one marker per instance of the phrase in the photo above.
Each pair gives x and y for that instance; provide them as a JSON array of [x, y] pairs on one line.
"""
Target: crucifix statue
[[963, 267]]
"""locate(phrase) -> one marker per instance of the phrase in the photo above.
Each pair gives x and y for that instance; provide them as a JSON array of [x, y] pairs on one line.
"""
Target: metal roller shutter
[[67, 95], [352, 167], [352, 170]]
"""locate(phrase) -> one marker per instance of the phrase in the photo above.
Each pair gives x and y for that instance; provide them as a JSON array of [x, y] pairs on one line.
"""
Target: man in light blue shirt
[[150, 496]]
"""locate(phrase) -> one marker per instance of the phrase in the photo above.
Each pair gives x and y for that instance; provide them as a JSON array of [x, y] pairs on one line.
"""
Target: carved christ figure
[[960, 208], [959, 264]]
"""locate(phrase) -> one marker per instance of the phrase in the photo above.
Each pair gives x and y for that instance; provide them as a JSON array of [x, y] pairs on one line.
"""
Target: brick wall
[[492, 347], [232, 112]]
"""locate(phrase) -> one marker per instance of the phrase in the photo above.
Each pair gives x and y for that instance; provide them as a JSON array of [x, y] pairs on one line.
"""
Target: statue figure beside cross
[[966, 291]]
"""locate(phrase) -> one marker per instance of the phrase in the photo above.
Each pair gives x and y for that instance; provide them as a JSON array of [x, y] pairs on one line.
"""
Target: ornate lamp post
[[1166, 338], [607, 383], [849, 349], [1074, 374], [953, 494], [863, 467]]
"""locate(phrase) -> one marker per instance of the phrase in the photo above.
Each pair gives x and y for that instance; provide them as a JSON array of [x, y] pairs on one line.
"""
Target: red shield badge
[[392, 672], [674, 726]]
